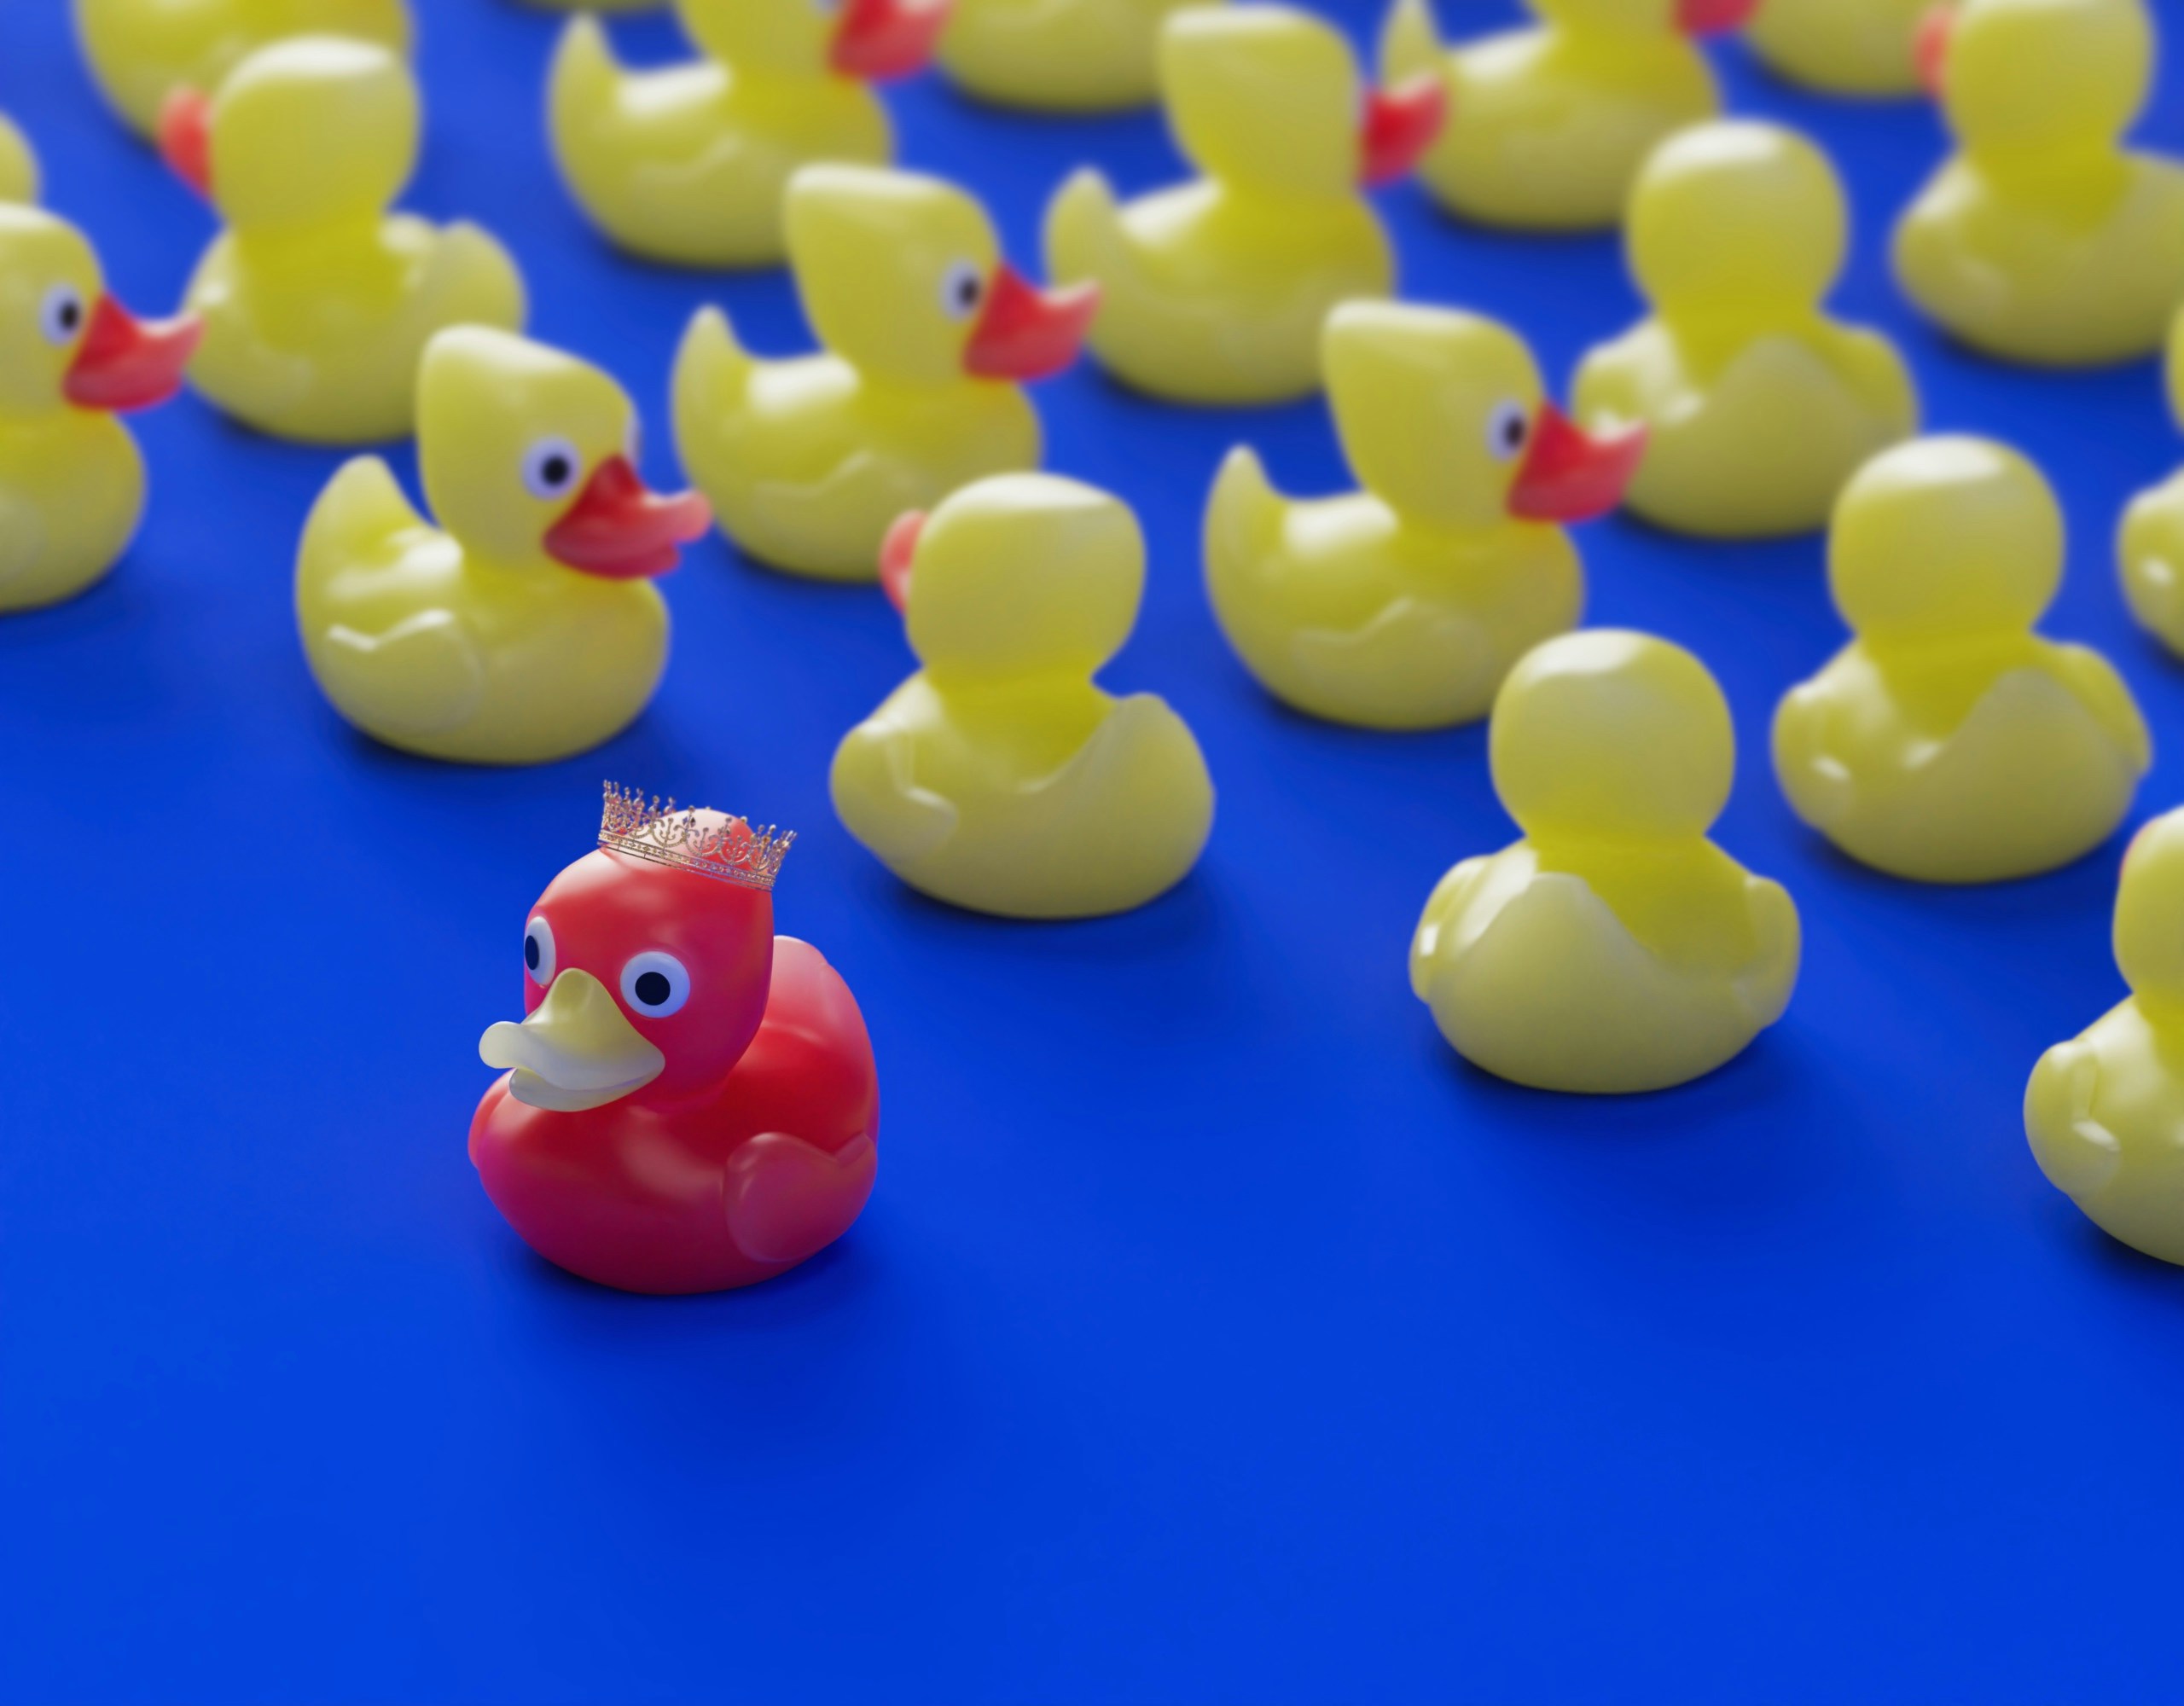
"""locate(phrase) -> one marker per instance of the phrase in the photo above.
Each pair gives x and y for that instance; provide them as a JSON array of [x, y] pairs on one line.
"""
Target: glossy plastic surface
[[18, 173], [1403, 605], [526, 630], [926, 332], [1760, 407], [1058, 55], [141, 51], [1214, 291], [1948, 742], [1614, 949], [1001, 776], [2150, 546], [2044, 239], [710, 1145], [318, 302], [1843, 47], [688, 162]]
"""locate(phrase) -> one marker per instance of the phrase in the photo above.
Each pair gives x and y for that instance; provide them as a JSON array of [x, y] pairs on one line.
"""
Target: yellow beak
[[575, 1052]]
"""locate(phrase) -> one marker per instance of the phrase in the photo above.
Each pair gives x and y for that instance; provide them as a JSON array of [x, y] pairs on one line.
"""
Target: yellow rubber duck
[[1215, 291], [928, 334], [1761, 407], [2103, 1110], [1058, 55], [1000, 777], [316, 301], [1614, 949], [1949, 743], [19, 174], [2151, 547], [1548, 125], [688, 164], [525, 631], [2043, 240], [141, 51], [1843, 47], [72, 482], [1403, 606]]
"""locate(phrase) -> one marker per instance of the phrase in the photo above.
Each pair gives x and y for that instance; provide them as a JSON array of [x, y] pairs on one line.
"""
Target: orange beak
[[125, 362], [1936, 30], [881, 40], [1027, 333], [1570, 476], [897, 551], [1400, 125], [621, 529], [1713, 17], [185, 138]]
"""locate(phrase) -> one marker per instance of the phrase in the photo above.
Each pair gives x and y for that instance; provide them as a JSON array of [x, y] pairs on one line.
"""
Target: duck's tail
[[1410, 45], [712, 379], [583, 80], [361, 520], [1083, 233], [473, 280], [1244, 520]]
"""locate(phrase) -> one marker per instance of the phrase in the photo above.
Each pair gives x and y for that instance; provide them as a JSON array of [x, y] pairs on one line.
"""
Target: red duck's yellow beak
[[620, 528], [1713, 17], [899, 551], [1400, 125], [881, 40], [576, 1051], [1570, 476], [125, 362], [1027, 333], [185, 138]]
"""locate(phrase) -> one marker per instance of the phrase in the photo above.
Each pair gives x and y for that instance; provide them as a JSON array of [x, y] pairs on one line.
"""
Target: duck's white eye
[[60, 316], [655, 984], [1507, 429], [550, 468], [962, 287], [539, 952]]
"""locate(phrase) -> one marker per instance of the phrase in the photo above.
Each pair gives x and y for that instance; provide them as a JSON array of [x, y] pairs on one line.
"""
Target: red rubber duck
[[690, 1102]]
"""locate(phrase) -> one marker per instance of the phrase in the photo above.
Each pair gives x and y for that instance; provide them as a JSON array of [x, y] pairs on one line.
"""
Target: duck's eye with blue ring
[[550, 468], [60, 315], [655, 984], [1506, 430], [826, 9], [962, 287], [539, 952]]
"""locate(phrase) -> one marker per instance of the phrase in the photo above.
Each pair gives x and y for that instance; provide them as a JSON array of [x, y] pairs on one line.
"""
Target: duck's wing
[[876, 794], [1436, 932], [23, 539], [2150, 549], [2075, 1150], [1814, 775], [2104, 693]]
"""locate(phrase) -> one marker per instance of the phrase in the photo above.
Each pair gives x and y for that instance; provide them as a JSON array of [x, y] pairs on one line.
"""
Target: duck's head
[[528, 459], [311, 130], [1736, 219], [638, 976], [874, 40], [2022, 78], [1269, 99], [902, 276], [64, 341], [2150, 913], [1445, 419], [1694, 18], [1017, 576], [1607, 733], [1945, 538]]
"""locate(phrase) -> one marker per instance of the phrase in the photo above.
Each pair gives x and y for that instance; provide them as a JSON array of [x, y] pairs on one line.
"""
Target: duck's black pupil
[[70, 314], [531, 952], [1512, 431], [652, 988], [556, 470], [966, 291]]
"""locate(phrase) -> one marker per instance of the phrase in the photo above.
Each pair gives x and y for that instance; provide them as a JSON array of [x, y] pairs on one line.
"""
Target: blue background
[[1214, 1334]]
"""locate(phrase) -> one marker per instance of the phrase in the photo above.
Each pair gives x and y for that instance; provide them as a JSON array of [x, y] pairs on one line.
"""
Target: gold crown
[[728, 851]]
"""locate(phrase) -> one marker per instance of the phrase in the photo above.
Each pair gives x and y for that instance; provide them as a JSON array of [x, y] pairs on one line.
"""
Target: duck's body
[[1058, 55], [1844, 47], [1549, 125], [141, 51], [19, 172], [2150, 545], [1000, 777], [1403, 606]]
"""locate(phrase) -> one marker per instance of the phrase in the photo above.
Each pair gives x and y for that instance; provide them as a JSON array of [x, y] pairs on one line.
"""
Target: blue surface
[[1213, 1334]]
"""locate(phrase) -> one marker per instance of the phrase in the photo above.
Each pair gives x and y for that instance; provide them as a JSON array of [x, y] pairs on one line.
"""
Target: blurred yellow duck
[[2104, 1110], [688, 164], [1843, 47], [1215, 291], [1404, 605], [18, 175], [1058, 55], [1000, 776], [316, 301], [928, 334], [1949, 743], [141, 51], [2151, 546], [1614, 949], [1548, 125], [2043, 240], [71, 482], [1761, 407], [525, 631]]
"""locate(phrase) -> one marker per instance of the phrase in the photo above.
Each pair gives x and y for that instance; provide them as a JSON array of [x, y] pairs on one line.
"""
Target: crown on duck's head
[[726, 849]]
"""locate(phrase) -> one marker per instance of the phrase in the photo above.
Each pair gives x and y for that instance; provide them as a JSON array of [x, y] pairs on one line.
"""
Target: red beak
[[1936, 30], [880, 40], [619, 528], [125, 362], [1400, 125], [897, 551], [1713, 17], [1026, 332], [1570, 476], [185, 138]]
